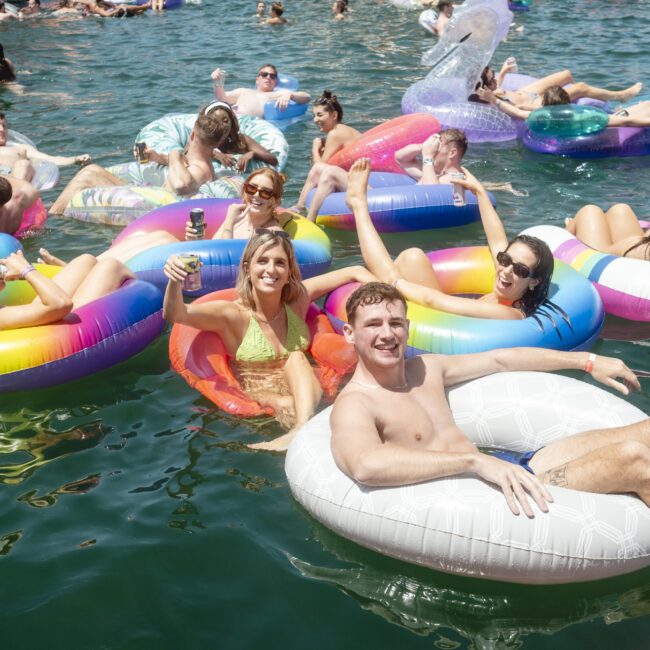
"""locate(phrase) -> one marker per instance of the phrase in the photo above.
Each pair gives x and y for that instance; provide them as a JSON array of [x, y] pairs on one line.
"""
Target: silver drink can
[[512, 61], [191, 264], [458, 191], [197, 218], [3, 271]]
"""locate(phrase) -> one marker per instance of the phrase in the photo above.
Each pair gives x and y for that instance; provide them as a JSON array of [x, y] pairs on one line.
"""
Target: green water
[[134, 517]]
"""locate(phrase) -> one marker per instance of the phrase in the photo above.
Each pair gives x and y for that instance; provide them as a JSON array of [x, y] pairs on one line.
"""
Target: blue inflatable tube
[[220, 259], [293, 110], [397, 204]]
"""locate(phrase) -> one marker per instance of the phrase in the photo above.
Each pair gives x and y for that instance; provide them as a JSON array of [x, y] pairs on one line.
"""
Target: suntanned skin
[[187, 172], [11, 213], [19, 157], [376, 445], [246, 101]]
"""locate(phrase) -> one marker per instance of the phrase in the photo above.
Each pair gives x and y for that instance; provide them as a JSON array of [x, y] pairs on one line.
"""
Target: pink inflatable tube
[[381, 142], [33, 219]]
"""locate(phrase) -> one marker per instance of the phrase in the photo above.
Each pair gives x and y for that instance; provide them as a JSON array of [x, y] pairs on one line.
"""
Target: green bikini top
[[255, 345]]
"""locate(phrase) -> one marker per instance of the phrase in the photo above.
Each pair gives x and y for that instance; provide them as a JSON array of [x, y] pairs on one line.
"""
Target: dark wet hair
[[371, 293], [209, 131], [643, 240], [331, 103], [234, 142], [555, 96], [542, 272], [278, 7], [444, 3], [6, 191]]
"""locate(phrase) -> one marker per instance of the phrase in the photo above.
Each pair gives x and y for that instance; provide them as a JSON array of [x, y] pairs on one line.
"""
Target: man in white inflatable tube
[[376, 445]]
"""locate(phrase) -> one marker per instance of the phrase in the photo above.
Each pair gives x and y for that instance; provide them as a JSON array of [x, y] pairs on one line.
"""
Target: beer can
[[191, 264], [141, 148], [458, 191], [197, 218], [3, 271]]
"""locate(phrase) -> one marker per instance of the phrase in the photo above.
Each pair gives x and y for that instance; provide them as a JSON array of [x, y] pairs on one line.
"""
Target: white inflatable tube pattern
[[462, 524]]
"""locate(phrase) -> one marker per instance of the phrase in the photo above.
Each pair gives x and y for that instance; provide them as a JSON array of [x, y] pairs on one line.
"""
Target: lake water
[[134, 516]]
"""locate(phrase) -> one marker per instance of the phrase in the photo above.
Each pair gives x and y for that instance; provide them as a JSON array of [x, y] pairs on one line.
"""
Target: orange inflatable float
[[200, 357]]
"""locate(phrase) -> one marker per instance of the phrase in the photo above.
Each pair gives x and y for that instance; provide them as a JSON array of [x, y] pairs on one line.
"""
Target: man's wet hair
[[455, 136], [209, 130], [371, 293], [6, 191]]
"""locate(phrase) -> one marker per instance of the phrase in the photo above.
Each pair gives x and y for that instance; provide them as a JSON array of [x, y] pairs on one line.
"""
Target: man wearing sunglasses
[[392, 424], [246, 101]]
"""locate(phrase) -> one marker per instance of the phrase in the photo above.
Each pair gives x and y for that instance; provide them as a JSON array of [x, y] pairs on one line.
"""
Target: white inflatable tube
[[463, 524]]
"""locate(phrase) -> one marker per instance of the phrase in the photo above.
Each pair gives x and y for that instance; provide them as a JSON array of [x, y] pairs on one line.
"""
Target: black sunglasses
[[276, 233], [519, 269], [270, 75], [264, 192]]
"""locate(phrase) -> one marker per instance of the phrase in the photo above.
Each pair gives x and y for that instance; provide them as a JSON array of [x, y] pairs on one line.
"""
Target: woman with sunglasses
[[328, 117], [262, 194], [523, 266], [264, 330]]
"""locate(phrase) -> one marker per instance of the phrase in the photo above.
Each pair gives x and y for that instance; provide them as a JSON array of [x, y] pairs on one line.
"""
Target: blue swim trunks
[[521, 458]]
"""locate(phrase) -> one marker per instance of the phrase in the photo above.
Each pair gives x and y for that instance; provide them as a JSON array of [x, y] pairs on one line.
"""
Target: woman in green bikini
[[264, 330]]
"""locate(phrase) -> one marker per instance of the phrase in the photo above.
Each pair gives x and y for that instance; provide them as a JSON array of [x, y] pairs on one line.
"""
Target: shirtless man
[[17, 159], [8, 15], [445, 10], [187, 170], [441, 155], [374, 444], [246, 101], [15, 197]]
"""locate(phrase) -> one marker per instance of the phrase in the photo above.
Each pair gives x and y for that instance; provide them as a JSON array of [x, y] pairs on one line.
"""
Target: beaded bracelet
[[589, 366], [26, 270]]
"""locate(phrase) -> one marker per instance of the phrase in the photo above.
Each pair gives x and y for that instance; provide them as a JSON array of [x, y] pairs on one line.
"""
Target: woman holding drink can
[[523, 266], [264, 329]]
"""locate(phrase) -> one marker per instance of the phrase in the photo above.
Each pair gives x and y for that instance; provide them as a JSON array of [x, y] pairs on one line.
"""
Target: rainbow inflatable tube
[[92, 338], [622, 282], [397, 204], [220, 257], [462, 524], [201, 359], [380, 143], [471, 271], [621, 141]]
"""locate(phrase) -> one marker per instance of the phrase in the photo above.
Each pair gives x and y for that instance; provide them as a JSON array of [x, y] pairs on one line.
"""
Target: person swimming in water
[[264, 330], [275, 14]]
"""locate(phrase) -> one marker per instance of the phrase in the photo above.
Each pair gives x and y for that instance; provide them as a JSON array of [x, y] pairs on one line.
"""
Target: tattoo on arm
[[557, 476]]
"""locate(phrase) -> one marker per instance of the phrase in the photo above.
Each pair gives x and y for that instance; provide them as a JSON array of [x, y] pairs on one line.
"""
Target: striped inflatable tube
[[94, 337], [622, 282], [471, 271]]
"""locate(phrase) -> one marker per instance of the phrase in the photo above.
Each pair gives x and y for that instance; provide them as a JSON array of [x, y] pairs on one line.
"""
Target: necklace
[[270, 320], [363, 383]]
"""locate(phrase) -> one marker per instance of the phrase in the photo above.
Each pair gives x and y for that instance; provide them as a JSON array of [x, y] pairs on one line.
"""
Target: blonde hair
[[262, 242]]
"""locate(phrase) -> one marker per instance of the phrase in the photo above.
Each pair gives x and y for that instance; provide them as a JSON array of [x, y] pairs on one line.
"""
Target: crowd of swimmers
[[264, 327]]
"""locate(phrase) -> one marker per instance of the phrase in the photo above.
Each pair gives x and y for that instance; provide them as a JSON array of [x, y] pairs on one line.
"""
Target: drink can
[[191, 264], [513, 62], [140, 148], [3, 271], [458, 191], [197, 218]]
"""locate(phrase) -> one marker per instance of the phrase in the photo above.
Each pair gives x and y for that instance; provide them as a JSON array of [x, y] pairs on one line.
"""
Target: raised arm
[[492, 225], [259, 152], [321, 285], [180, 178], [230, 97], [53, 302], [502, 104], [607, 370], [407, 159]]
